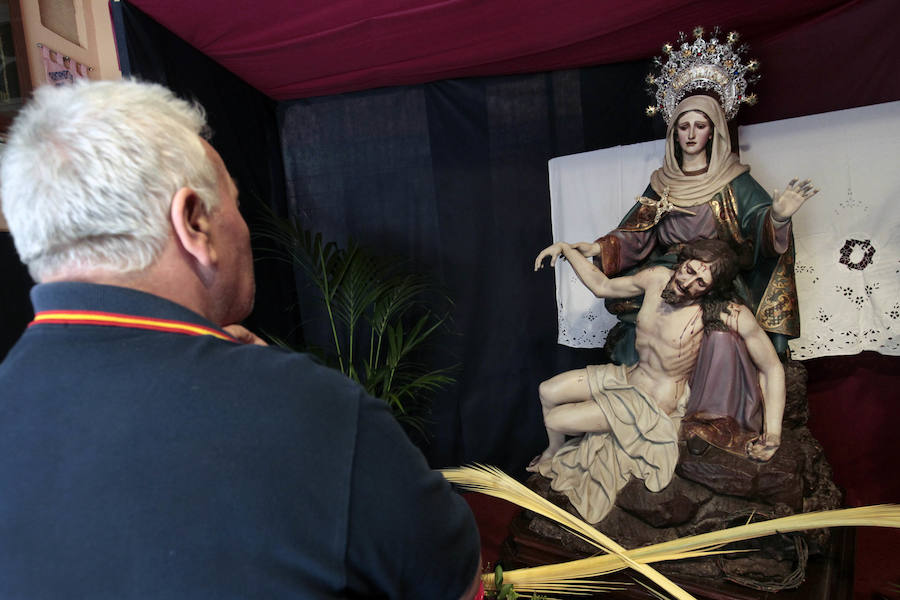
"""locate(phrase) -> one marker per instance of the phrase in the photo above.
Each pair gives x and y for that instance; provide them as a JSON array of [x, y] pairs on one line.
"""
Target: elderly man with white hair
[[147, 451]]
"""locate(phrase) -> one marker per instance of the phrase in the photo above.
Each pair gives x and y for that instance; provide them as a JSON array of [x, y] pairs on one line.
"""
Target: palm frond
[[493, 482], [380, 315]]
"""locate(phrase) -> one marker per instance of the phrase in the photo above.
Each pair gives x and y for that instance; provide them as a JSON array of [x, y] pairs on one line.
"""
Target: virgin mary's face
[[694, 130]]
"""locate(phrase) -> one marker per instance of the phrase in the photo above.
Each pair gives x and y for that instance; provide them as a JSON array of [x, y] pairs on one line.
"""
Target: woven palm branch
[[559, 577], [493, 481]]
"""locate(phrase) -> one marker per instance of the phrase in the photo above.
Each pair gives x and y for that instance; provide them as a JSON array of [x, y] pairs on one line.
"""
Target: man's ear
[[191, 224]]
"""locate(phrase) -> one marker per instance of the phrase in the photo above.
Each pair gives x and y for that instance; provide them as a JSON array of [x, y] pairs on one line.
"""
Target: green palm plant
[[379, 316]]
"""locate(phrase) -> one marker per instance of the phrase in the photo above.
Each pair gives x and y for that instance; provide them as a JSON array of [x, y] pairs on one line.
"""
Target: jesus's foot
[[537, 460]]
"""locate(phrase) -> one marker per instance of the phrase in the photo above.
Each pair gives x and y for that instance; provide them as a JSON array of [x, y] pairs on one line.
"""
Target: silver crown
[[713, 65]]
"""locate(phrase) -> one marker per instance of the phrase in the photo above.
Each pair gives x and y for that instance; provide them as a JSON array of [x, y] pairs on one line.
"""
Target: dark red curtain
[[817, 55]]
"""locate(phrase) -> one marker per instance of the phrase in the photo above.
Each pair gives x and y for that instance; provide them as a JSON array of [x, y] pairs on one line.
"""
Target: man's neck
[[157, 280]]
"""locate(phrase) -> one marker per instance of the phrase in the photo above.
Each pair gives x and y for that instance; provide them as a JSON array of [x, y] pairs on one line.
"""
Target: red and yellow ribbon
[[89, 317]]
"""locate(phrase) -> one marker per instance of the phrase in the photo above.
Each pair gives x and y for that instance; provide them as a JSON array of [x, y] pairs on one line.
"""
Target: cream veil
[[691, 190]]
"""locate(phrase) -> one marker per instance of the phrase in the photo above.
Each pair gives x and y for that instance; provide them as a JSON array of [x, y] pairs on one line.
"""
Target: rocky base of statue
[[719, 490]]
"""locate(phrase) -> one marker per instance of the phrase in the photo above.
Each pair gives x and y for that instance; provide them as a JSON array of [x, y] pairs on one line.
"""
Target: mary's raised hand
[[788, 202]]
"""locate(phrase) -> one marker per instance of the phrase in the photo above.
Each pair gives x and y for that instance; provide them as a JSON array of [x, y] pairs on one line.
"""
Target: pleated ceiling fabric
[[291, 49]]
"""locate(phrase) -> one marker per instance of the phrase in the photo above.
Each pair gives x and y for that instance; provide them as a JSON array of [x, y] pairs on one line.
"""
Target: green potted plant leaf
[[380, 316]]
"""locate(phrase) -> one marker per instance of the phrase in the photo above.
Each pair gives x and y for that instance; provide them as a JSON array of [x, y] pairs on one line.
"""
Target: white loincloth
[[591, 469]]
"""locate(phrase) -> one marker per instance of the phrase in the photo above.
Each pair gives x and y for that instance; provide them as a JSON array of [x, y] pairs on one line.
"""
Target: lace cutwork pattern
[[847, 236]]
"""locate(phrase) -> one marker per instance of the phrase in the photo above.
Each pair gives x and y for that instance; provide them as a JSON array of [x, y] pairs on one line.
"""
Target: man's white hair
[[89, 171]]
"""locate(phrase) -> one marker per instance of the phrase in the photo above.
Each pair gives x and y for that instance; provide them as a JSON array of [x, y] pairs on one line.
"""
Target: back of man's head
[[89, 172]]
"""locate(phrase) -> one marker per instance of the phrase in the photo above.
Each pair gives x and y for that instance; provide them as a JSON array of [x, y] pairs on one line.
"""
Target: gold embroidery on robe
[[778, 311], [641, 219], [609, 255], [728, 229]]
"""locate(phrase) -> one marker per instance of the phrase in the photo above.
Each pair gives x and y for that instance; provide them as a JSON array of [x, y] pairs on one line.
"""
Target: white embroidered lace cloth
[[847, 237], [589, 194]]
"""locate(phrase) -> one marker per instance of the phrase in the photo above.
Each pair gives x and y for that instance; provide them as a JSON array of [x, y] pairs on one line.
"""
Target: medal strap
[[105, 319]]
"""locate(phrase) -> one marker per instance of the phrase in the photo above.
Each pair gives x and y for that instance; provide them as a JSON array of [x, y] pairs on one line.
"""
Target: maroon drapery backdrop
[[817, 55]]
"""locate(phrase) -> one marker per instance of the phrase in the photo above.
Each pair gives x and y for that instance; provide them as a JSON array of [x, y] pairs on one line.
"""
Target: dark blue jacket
[[144, 463]]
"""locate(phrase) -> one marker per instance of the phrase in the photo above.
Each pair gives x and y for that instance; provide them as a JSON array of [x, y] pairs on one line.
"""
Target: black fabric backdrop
[[452, 175], [15, 305]]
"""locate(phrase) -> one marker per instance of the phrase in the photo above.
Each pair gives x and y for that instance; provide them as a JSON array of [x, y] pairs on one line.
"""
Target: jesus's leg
[[568, 409]]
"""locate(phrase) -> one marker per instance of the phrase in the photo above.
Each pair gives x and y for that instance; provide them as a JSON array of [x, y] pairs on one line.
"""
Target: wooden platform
[[828, 577]]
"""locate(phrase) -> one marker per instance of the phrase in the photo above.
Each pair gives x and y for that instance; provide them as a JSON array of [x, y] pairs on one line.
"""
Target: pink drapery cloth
[[60, 69]]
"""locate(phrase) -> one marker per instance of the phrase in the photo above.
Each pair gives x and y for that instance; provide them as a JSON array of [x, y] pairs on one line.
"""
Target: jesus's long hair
[[723, 266]]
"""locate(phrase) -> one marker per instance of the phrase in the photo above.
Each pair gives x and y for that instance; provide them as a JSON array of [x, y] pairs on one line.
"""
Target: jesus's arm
[[771, 381], [595, 280]]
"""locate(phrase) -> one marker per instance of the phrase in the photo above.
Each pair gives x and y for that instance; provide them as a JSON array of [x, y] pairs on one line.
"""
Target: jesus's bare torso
[[667, 342]]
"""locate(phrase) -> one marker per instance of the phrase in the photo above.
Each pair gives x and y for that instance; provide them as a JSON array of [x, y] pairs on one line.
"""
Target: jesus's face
[[692, 280]]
